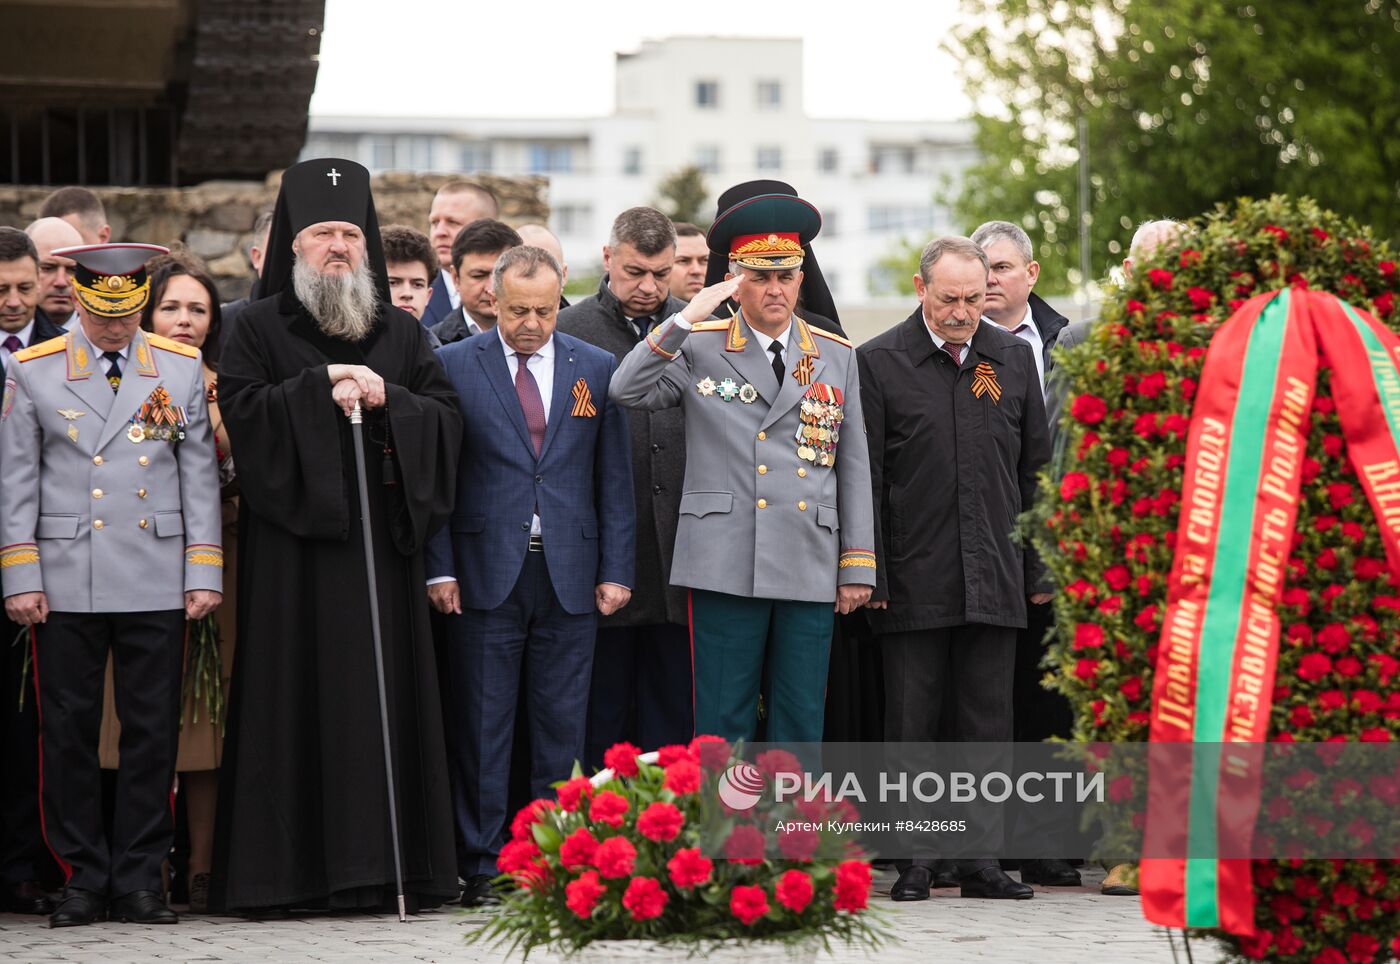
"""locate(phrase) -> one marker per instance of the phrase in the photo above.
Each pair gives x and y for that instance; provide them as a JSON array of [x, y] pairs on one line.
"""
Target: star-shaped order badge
[[984, 381], [727, 389], [705, 386]]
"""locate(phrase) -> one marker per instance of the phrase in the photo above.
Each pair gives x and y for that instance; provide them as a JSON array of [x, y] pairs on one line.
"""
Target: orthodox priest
[[303, 819]]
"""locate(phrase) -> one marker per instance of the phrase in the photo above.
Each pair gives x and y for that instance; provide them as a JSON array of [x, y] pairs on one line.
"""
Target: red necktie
[[954, 352], [528, 392]]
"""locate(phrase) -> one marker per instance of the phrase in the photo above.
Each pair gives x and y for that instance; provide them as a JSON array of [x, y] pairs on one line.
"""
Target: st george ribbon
[[1218, 653]]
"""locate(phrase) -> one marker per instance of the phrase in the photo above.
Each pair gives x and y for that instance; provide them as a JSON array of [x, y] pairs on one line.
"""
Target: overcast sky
[[554, 58]]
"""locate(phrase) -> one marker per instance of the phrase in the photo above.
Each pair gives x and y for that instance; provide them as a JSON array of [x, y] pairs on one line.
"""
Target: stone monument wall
[[214, 220]]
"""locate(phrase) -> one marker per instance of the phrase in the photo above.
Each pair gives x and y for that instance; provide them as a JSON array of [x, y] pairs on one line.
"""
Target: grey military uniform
[[100, 523], [757, 519]]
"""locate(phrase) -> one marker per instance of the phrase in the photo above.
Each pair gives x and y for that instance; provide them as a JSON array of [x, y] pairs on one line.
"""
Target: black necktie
[[778, 369], [114, 370]]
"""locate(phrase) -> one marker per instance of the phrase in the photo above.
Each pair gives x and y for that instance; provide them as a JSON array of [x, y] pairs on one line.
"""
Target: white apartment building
[[731, 106]]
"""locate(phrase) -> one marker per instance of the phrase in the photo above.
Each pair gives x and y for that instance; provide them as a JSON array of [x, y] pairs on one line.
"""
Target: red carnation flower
[[1117, 577], [1132, 689], [1088, 409], [1082, 590], [1145, 425], [794, 891], [1147, 619], [1329, 955], [773, 762], [1276, 231], [1378, 734], [1362, 948], [1386, 268], [572, 792], [1366, 701], [1201, 299], [852, 885], [799, 845], [660, 821], [1160, 278], [1086, 669], [669, 754], [1088, 636], [582, 895], [578, 849], [1072, 484], [1384, 304], [1344, 894], [1152, 384], [711, 751], [1368, 568], [682, 777], [608, 808], [1134, 307], [1353, 531], [689, 868], [1300, 716], [621, 758], [1119, 458], [516, 856], [1333, 638], [745, 845], [1330, 700], [1347, 667], [1326, 559], [1190, 257], [615, 857], [644, 898], [748, 903], [1386, 665], [1314, 666], [529, 815], [1340, 494]]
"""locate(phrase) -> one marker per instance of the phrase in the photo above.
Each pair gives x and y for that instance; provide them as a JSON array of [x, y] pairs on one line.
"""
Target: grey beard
[[343, 306]]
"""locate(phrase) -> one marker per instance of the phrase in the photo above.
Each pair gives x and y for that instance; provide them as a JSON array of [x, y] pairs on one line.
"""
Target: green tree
[[1188, 103], [683, 195]]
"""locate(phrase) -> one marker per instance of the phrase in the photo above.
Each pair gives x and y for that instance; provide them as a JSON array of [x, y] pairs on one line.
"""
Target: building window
[[770, 95], [892, 159], [897, 218], [420, 153], [632, 160], [769, 158], [381, 154], [572, 219], [550, 159], [707, 94], [827, 160], [474, 157], [707, 158]]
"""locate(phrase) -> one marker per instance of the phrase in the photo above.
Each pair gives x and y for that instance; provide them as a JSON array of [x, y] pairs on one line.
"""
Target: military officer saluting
[[109, 540], [776, 523]]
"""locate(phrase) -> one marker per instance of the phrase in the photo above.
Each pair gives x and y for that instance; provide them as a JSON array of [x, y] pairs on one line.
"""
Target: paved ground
[[1057, 927]]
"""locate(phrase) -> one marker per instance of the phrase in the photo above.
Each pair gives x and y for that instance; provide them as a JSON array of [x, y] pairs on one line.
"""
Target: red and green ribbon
[[1219, 645]]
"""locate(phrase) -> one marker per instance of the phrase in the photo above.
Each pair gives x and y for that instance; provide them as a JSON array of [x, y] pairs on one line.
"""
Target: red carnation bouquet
[[646, 850]]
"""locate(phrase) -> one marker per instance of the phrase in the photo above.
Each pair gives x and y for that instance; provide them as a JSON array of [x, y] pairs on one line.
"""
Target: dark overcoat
[[658, 464], [952, 463]]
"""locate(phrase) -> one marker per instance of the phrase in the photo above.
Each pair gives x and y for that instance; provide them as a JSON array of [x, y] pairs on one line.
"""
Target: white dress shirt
[[452, 294], [765, 341], [542, 368], [939, 341], [1030, 334], [23, 335]]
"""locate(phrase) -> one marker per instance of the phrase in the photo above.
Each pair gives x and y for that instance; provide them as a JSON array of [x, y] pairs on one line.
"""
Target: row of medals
[[819, 431], [139, 432]]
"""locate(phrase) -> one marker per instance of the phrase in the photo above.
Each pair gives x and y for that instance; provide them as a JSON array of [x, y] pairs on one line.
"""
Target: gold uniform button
[[801, 473], [762, 436], [143, 460], [97, 460], [802, 506], [143, 523], [97, 493], [140, 493], [763, 470], [97, 523], [763, 503]]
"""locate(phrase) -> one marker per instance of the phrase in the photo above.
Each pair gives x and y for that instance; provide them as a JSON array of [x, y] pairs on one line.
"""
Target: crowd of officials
[[666, 509]]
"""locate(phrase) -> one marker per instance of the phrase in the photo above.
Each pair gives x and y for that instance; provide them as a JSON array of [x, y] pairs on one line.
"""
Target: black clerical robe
[[303, 809]]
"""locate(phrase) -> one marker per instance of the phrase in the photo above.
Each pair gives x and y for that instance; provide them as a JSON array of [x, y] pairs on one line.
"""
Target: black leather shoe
[[26, 897], [912, 884], [479, 890], [992, 882], [1049, 873], [78, 907], [142, 907], [944, 875]]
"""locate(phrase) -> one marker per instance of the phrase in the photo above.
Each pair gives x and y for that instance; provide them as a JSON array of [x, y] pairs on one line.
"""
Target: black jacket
[[1049, 323], [951, 470], [658, 464], [45, 328]]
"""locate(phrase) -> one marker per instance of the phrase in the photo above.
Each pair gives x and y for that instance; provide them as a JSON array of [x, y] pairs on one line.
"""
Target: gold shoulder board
[[50, 347], [828, 334], [710, 326]]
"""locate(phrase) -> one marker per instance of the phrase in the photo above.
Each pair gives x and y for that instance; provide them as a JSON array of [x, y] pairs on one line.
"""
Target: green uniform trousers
[[730, 638]]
